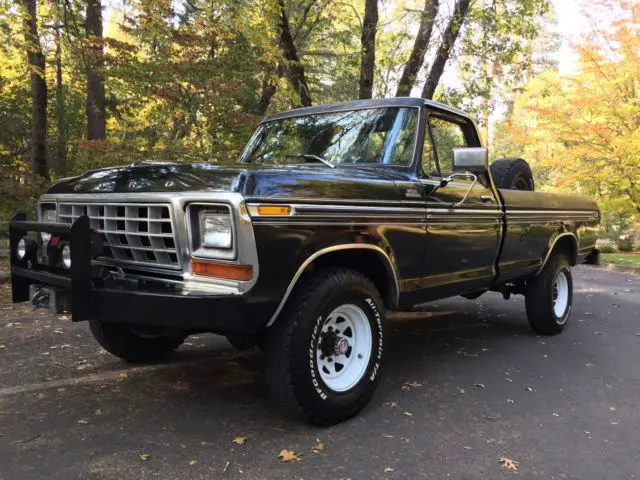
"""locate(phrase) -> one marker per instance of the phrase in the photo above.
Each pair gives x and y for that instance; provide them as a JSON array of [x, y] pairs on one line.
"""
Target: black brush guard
[[29, 270], [92, 291]]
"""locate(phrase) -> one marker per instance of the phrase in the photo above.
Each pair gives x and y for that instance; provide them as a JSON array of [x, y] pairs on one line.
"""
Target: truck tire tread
[[539, 298], [279, 345], [505, 171], [120, 340]]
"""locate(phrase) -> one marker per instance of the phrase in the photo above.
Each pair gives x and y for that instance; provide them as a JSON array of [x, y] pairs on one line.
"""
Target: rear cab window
[[443, 133]]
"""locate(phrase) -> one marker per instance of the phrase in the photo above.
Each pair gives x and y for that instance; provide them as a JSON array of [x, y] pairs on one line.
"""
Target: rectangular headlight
[[216, 230], [48, 212]]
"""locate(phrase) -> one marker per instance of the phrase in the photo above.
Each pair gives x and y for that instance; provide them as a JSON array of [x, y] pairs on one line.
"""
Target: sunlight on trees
[[188, 80], [582, 132]]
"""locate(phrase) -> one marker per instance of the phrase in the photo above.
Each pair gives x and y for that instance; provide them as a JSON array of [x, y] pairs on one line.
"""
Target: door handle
[[486, 198]]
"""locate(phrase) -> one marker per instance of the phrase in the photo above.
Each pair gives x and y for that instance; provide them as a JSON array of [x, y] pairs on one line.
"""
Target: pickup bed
[[333, 216]]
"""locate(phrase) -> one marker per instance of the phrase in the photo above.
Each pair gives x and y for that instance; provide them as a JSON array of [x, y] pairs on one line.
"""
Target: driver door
[[463, 217]]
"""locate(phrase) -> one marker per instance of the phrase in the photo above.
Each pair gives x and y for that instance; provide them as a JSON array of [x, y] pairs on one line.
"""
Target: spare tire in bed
[[512, 174]]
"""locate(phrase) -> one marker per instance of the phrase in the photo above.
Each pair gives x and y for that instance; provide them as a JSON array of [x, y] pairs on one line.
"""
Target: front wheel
[[549, 297], [134, 346], [325, 353]]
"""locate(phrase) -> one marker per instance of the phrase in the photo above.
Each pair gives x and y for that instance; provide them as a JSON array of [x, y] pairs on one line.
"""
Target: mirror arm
[[464, 199], [446, 180]]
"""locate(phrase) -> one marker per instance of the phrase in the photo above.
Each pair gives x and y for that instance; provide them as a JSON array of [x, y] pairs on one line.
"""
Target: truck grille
[[141, 234]]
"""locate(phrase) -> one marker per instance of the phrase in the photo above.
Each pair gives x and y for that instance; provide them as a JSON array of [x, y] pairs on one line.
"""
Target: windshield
[[373, 136]]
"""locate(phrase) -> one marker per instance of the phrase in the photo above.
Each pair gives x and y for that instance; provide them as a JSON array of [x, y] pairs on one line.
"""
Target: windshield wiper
[[308, 156]]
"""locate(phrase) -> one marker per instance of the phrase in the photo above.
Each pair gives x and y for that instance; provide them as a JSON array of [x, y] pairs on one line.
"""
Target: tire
[[303, 376], [512, 174], [121, 340], [549, 297]]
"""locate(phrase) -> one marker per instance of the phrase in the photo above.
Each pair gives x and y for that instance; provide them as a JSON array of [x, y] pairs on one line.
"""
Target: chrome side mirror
[[474, 160]]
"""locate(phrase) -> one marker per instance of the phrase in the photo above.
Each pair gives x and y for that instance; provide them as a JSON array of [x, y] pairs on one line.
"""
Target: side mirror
[[474, 160]]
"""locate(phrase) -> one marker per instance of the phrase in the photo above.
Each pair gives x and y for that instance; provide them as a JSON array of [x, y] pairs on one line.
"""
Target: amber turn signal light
[[222, 270], [274, 210]]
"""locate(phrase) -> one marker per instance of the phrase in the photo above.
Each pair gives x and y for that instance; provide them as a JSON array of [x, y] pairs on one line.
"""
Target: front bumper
[[90, 291]]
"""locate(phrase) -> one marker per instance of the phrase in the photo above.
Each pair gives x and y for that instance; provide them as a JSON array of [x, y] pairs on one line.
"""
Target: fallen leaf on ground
[[180, 386], [508, 463], [144, 456], [408, 414], [193, 461], [509, 400], [459, 391], [318, 447], [480, 385], [83, 421], [388, 469], [240, 440], [288, 455], [410, 385]]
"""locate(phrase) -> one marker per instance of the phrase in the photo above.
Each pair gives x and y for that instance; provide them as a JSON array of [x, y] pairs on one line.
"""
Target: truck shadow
[[209, 387]]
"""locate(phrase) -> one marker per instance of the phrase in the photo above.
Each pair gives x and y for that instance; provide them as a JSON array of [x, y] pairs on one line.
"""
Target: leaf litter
[[509, 464]]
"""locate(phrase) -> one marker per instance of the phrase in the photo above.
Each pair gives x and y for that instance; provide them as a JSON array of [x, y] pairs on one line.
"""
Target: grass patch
[[631, 259]]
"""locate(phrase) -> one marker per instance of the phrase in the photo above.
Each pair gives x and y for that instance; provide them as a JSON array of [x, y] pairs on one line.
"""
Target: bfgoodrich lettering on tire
[[325, 352], [549, 297]]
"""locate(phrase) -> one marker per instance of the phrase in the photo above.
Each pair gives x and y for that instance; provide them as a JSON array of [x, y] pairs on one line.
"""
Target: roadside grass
[[630, 259]]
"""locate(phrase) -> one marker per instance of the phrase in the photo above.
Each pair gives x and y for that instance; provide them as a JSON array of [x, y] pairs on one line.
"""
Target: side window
[[429, 164], [446, 136]]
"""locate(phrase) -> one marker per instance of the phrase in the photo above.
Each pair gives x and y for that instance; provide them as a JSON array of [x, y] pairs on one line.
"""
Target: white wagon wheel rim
[[560, 294], [344, 347]]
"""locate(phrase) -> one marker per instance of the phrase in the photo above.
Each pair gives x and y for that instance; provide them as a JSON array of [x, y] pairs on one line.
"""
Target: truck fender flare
[[552, 246], [346, 246]]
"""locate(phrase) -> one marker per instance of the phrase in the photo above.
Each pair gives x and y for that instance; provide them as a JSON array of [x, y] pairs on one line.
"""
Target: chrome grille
[[136, 233]]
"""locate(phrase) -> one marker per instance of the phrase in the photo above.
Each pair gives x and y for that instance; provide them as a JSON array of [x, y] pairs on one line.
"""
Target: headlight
[[66, 256], [48, 213], [216, 230], [21, 251]]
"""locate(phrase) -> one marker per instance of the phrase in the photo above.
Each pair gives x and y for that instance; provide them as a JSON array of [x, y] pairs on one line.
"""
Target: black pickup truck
[[332, 217]]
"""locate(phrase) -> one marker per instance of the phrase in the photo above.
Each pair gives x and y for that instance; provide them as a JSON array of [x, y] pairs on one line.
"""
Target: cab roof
[[364, 104]]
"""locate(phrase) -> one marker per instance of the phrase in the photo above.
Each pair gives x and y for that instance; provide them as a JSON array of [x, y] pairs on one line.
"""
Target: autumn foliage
[[582, 131]]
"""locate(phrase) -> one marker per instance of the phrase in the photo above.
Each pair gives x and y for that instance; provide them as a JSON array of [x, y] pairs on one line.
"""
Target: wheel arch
[[565, 242], [370, 260]]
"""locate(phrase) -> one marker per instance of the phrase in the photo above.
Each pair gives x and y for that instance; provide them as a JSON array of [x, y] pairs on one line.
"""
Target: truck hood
[[264, 181]]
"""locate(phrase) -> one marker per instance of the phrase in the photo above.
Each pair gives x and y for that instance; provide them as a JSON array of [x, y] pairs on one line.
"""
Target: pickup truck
[[332, 217]]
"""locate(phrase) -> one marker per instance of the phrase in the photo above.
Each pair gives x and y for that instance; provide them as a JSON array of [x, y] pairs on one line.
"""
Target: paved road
[[565, 407]]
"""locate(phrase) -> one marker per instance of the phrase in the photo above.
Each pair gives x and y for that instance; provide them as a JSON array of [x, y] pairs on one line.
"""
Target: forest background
[[87, 84]]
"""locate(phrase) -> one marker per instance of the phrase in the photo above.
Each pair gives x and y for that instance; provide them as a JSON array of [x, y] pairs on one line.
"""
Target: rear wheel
[[512, 174], [135, 346], [549, 297], [324, 353]]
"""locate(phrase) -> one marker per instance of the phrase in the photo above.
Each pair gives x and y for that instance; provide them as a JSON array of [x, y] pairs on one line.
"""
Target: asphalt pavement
[[466, 385]]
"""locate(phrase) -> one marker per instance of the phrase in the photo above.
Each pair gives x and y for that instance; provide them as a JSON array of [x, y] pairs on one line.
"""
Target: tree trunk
[[416, 59], [36, 61], [368, 55], [295, 70], [445, 48], [269, 87], [61, 140], [96, 119]]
